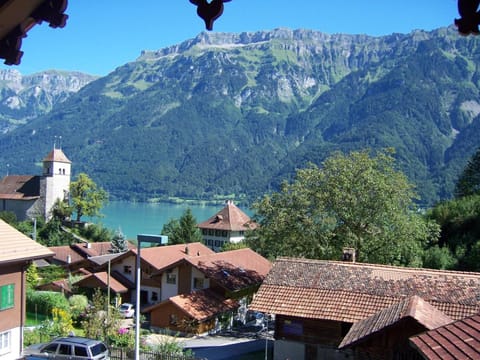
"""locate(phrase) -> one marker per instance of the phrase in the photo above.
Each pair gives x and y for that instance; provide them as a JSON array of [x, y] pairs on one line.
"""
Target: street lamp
[[157, 239]]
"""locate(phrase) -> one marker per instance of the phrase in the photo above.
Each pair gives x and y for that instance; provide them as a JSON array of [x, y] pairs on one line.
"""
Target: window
[[204, 232], [224, 233], [65, 349], [197, 283], [154, 296], [210, 232], [51, 349], [7, 296], [127, 269], [171, 278], [5, 342], [81, 351], [218, 232]]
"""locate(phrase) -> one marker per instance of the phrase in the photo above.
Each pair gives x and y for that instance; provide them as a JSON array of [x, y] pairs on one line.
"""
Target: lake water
[[134, 218]]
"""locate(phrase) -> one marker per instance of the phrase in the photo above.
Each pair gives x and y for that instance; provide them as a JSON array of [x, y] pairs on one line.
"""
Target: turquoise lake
[[134, 218]]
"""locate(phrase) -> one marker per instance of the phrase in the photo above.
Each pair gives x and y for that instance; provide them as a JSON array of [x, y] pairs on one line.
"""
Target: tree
[[354, 201], [469, 181], [459, 220], [183, 230], [87, 199], [61, 210], [119, 242]]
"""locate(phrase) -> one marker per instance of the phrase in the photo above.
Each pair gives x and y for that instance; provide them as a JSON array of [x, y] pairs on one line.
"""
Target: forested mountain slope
[[238, 113]]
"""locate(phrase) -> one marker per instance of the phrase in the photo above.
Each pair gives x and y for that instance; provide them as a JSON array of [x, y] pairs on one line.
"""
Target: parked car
[[70, 347], [127, 310]]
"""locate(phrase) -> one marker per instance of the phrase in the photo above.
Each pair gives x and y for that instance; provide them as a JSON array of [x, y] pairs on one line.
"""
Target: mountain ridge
[[210, 117]]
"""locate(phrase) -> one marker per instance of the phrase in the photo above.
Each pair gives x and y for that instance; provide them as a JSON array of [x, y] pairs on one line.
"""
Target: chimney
[[88, 245], [69, 259], [186, 249], [349, 255]]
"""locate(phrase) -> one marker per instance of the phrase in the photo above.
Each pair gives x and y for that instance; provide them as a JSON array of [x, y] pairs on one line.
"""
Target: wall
[[169, 290], [23, 209], [312, 331], [11, 319]]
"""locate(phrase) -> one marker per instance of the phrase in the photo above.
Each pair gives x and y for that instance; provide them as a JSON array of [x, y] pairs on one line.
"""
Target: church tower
[[55, 182]]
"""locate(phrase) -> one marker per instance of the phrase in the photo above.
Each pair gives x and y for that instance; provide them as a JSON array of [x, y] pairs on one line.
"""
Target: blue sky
[[101, 35]]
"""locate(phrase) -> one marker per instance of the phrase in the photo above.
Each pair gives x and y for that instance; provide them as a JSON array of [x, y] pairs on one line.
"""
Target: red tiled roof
[[57, 155], [234, 270], [200, 305], [352, 291], [414, 308], [62, 253], [161, 257], [456, 341], [20, 187], [100, 280], [230, 218]]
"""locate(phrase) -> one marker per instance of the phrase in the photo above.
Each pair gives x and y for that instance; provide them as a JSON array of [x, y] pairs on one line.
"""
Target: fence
[[128, 354]]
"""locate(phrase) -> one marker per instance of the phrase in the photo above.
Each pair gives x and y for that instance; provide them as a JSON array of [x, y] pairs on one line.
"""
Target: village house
[[317, 303], [227, 226], [175, 274], [208, 286], [18, 251], [32, 196]]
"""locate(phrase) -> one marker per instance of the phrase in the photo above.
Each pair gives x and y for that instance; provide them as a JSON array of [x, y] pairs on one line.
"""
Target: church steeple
[[56, 179], [56, 163]]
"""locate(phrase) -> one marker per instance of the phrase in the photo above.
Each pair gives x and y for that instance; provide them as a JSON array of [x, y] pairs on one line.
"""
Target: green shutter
[[7, 296]]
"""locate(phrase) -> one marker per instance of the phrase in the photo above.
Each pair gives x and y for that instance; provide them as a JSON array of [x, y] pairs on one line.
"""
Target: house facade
[[316, 303], [31, 196], [18, 251], [227, 226]]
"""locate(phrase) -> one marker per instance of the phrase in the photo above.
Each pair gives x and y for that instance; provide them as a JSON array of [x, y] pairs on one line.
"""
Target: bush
[[78, 306], [43, 302]]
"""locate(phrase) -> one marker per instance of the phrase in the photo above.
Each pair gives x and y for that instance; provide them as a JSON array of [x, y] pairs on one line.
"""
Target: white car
[[127, 310]]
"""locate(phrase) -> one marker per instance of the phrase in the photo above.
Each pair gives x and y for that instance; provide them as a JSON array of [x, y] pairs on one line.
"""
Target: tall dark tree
[[119, 242], [183, 230], [469, 180]]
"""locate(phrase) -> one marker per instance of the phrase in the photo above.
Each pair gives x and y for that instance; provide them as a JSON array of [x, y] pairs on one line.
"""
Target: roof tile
[[352, 291], [458, 340]]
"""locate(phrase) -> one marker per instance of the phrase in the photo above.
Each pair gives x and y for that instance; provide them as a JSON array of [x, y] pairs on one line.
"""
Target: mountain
[[238, 113], [23, 98]]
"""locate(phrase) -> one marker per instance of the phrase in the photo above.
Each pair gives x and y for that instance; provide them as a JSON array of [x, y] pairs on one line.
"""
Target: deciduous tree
[[352, 200], [87, 199]]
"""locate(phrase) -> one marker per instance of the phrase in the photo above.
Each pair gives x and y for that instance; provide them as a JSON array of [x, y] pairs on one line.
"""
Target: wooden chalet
[[316, 303]]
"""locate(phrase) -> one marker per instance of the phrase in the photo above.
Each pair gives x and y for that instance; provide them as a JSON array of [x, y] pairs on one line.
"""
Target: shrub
[[43, 302]]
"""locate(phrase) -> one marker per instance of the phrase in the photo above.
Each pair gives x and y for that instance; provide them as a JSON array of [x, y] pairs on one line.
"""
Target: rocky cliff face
[[25, 97], [238, 113]]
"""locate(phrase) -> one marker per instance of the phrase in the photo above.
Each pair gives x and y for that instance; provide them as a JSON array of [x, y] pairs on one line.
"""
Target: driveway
[[230, 345]]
